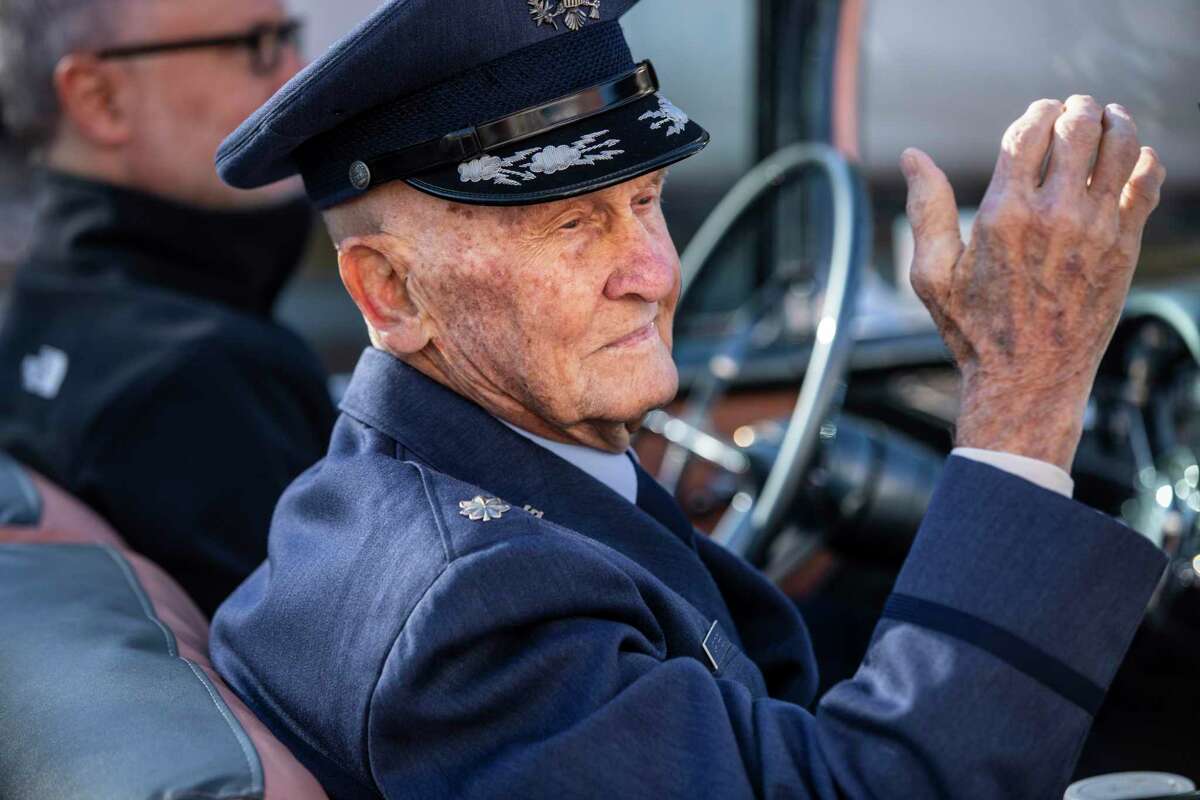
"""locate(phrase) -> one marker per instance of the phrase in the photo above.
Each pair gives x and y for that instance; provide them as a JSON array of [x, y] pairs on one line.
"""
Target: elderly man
[[139, 365], [478, 593]]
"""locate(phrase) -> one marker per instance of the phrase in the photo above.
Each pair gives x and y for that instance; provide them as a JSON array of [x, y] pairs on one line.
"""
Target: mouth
[[646, 333]]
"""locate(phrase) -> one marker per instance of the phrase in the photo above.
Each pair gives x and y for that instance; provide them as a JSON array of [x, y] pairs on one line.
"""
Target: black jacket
[[140, 369]]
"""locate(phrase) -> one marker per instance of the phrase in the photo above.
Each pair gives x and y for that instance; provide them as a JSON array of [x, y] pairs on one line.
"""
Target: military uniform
[[450, 609], [140, 370], [577, 645]]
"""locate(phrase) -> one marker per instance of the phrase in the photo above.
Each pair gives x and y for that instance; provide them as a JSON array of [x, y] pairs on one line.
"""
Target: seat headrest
[[20, 501], [59, 518]]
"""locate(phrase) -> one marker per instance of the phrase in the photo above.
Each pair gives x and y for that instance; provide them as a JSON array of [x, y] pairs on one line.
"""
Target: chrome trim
[[716, 667]]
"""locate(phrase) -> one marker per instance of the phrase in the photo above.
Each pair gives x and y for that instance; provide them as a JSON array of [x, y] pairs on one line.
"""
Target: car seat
[[108, 691]]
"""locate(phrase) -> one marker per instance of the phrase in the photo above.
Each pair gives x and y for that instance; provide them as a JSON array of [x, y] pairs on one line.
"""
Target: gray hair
[[34, 36]]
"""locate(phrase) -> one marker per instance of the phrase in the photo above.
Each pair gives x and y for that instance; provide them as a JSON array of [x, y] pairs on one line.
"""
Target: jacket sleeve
[[535, 668]]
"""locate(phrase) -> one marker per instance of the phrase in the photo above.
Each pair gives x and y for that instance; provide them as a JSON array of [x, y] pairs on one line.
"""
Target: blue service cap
[[488, 102]]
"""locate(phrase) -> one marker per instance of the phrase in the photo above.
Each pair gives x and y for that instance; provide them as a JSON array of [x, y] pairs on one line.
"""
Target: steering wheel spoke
[[698, 442], [749, 528]]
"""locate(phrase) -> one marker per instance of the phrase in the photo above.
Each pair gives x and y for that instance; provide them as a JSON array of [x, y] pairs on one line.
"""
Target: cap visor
[[582, 157]]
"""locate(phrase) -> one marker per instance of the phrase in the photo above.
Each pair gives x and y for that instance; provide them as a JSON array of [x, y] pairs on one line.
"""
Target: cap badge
[[483, 509], [574, 13]]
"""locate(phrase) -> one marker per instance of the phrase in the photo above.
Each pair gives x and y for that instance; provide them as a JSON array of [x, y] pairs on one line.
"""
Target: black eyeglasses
[[266, 43]]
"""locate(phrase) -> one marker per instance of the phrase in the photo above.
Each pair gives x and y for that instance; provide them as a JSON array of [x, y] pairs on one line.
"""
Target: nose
[[646, 265]]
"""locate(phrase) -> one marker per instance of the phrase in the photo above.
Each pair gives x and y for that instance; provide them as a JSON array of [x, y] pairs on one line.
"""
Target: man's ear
[[375, 273], [95, 98]]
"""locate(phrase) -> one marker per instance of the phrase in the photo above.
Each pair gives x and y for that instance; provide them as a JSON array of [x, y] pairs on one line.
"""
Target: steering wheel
[[1156, 357], [758, 513]]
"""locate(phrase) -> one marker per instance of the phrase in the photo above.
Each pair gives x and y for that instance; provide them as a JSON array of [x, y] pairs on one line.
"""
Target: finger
[[1073, 145], [1026, 142], [1119, 153], [933, 214], [1141, 193]]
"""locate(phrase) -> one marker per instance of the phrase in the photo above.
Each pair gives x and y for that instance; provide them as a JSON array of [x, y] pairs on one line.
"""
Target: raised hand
[[1029, 306]]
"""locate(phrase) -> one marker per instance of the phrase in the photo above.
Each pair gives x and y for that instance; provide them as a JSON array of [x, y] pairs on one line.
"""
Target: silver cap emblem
[[360, 175], [483, 509], [574, 13]]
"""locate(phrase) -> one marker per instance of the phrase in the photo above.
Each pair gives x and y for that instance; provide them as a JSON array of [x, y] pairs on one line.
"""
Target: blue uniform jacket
[[582, 646]]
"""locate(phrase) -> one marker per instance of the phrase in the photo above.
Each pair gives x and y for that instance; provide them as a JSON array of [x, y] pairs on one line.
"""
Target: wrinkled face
[[565, 308], [187, 102]]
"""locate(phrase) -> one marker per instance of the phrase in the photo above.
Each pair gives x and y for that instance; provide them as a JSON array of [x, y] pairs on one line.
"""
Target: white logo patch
[[43, 374]]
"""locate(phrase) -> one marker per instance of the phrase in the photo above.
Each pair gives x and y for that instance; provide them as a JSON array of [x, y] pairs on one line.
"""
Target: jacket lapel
[[460, 439]]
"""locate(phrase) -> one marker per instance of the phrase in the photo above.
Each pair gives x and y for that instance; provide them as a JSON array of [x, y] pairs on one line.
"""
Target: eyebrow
[[521, 216]]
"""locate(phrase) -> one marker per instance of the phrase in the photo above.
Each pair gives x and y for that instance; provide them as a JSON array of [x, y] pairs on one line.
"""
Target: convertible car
[[817, 408]]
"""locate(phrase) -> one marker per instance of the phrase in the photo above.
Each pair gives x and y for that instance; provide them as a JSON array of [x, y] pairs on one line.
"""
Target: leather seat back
[[108, 690]]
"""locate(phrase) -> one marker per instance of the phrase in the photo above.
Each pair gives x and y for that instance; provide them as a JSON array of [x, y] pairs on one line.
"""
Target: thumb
[[933, 214]]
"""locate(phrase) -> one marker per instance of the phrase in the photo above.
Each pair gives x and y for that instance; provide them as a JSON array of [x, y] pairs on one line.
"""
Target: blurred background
[[946, 77]]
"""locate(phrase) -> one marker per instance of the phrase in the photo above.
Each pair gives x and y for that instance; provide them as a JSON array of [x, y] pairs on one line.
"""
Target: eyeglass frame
[[285, 34]]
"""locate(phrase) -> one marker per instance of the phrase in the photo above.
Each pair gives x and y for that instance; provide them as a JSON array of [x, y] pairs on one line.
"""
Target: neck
[[70, 158], [241, 259], [604, 435]]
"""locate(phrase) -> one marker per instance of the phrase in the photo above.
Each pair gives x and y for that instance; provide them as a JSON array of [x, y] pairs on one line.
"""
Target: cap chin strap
[[471, 142]]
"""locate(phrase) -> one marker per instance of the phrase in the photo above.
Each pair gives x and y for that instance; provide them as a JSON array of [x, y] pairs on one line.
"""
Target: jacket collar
[[242, 258], [617, 471], [458, 438]]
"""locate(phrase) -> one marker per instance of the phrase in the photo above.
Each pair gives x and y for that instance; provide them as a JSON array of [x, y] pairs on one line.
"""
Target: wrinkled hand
[[1029, 306]]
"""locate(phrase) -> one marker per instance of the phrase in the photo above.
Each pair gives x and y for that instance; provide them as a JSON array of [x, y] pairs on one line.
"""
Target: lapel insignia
[[533, 512], [717, 647], [574, 13], [483, 509]]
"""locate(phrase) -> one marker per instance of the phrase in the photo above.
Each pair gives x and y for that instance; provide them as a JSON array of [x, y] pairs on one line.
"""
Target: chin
[[628, 394], [662, 388]]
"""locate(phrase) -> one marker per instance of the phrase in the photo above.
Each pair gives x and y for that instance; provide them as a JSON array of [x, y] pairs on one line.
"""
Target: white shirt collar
[[614, 470]]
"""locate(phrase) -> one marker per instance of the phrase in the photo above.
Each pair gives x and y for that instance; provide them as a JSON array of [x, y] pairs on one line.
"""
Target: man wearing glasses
[[139, 364]]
